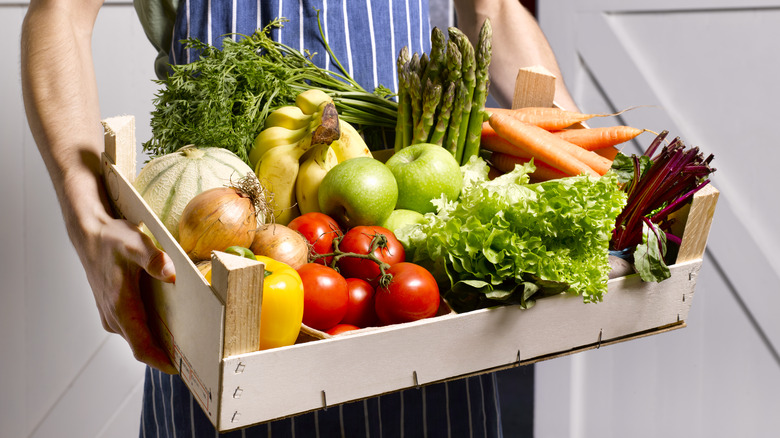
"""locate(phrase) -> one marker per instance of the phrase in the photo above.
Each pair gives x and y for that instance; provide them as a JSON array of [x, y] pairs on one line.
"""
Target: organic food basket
[[211, 333]]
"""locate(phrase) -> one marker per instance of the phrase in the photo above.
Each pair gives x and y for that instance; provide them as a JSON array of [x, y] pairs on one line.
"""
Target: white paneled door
[[707, 72]]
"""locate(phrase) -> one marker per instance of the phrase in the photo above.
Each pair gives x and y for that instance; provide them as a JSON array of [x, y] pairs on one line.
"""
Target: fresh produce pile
[[475, 207], [298, 146], [223, 98], [657, 185]]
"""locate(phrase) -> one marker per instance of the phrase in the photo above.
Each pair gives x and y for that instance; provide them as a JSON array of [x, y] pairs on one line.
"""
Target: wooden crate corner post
[[239, 281], [119, 138], [697, 224], [534, 87]]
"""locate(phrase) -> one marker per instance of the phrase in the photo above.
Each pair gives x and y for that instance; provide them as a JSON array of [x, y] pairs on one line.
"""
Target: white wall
[[60, 373]]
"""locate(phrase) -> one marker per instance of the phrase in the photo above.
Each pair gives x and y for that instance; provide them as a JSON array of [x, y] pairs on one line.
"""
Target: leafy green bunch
[[506, 241], [223, 98]]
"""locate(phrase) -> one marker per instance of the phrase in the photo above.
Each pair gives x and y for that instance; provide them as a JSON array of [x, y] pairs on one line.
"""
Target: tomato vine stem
[[378, 241]]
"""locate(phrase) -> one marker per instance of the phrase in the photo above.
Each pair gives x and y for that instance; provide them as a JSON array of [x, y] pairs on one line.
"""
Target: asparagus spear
[[452, 139], [453, 76], [414, 87], [437, 59], [483, 56], [453, 61], [443, 117], [423, 66], [403, 125], [431, 98], [468, 72]]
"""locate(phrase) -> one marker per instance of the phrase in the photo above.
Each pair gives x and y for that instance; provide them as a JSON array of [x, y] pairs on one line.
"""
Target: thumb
[[161, 267], [156, 262]]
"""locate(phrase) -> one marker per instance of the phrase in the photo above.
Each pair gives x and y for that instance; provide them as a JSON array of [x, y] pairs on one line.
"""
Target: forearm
[[517, 42], [60, 96]]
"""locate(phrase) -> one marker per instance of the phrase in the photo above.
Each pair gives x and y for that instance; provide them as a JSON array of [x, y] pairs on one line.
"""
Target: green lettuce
[[509, 241]]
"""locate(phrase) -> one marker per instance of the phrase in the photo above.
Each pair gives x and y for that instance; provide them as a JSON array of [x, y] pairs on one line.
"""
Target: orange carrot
[[547, 147], [496, 143], [608, 153], [506, 163], [551, 119], [493, 172], [488, 130], [598, 138]]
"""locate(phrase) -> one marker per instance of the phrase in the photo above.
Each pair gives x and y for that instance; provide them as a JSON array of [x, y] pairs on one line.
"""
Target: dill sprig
[[223, 98]]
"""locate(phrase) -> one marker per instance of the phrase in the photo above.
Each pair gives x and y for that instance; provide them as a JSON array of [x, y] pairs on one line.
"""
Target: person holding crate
[[61, 102]]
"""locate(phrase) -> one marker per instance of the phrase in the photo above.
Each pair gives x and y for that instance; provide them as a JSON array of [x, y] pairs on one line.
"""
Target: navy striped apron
[[462, 408], [366, 37]]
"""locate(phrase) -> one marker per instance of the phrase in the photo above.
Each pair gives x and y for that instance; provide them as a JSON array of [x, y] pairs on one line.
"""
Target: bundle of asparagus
[[441, 96]]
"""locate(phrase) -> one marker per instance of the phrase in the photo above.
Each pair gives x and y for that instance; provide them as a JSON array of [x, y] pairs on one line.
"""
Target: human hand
[[114, 257]]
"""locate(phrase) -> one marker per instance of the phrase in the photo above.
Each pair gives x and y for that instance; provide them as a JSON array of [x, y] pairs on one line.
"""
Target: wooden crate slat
[[419, 353]]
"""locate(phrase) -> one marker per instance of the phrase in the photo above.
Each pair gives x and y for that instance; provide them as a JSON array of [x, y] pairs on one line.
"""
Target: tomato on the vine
[[412, 294], [325, 296], [360, 310], [320, 230], [359, 240]]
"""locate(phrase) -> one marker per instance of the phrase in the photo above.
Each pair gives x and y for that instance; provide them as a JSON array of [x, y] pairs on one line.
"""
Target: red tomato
[[412, 294], [358, 240], [320, 230], [341, 328], [360, 310], [325, 296]]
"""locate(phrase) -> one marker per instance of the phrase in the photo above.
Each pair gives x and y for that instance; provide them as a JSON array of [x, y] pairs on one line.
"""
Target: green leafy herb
[[223, 98], [508, 241]]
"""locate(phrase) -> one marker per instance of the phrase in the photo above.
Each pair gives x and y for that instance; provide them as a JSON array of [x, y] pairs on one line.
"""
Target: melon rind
[[168, 182]]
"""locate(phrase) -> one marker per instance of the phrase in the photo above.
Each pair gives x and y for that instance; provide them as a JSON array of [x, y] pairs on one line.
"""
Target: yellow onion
[[281, 243], [222, 217]]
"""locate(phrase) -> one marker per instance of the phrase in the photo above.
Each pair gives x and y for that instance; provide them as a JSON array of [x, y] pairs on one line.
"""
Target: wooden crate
[[211, 333]]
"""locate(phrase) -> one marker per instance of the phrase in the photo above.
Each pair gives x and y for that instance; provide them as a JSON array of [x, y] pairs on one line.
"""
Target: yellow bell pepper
[[282, 311], [282, 308]]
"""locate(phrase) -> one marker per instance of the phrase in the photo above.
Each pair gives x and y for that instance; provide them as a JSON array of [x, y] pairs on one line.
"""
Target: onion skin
[[215, 220], [281, 243]]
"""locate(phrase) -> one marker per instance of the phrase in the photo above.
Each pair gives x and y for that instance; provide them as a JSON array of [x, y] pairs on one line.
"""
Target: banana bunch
[[297, 147]]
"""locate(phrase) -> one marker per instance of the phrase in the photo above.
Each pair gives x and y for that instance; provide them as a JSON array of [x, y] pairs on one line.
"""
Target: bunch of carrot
[[551, 137]]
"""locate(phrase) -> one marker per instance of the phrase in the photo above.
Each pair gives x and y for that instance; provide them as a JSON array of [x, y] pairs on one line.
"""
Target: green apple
[[401, 217], [358, 191], [424, 172]]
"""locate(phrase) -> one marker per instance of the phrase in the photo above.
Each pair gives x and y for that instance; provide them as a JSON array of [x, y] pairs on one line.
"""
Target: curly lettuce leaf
[[513, 239]]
